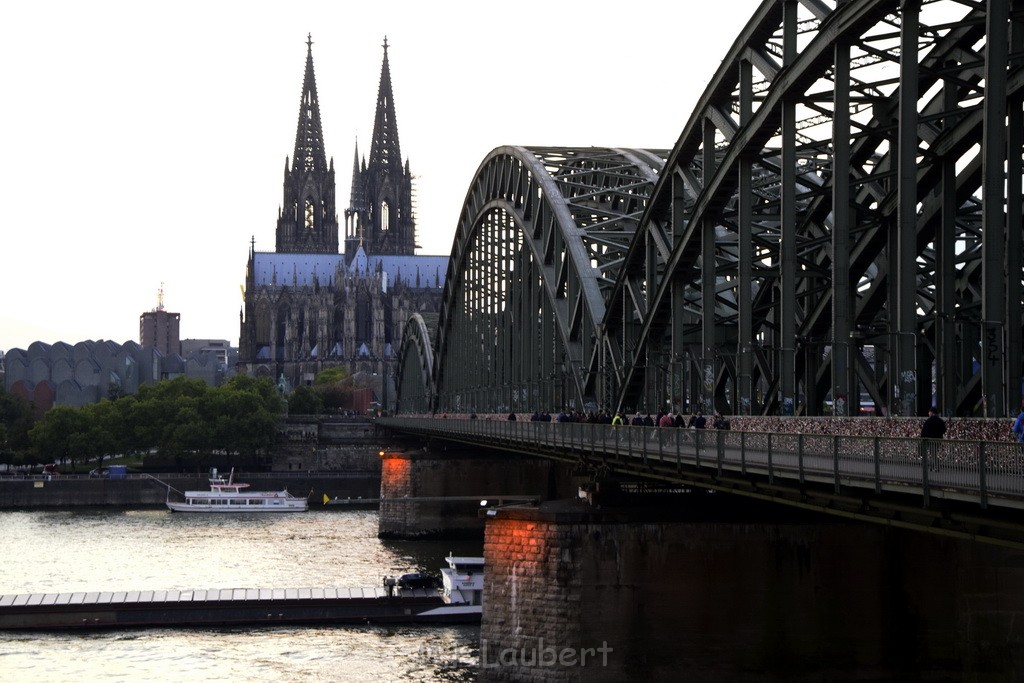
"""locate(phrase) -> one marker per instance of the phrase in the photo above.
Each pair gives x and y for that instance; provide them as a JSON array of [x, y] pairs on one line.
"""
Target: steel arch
[[748, 290], [538, 248], [415, 380]]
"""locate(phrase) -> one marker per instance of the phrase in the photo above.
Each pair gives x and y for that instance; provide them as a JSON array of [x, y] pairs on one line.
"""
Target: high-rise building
[[159, 329], [308, 307]]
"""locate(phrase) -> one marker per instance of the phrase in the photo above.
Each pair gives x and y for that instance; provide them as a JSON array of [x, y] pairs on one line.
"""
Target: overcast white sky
[[144, 143]]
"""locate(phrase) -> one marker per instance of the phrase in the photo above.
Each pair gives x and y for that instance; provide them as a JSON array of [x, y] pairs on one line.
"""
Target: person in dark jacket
[[934, 427], [932, 430]]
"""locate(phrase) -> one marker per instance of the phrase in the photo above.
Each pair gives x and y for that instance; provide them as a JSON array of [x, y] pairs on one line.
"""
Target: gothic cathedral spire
[[385, 151], [380, 213], [308, 221]]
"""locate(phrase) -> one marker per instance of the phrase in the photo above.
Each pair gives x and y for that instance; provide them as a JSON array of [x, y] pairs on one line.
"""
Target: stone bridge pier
[[438, 493], [698, 588]]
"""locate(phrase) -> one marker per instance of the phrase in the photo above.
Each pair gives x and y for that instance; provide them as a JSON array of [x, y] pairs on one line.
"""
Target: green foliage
[[16, 419], [330, 376], [305, 401], [182, 418], [60, 434]]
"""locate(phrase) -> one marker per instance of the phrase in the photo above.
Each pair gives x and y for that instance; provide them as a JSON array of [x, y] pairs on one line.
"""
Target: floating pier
[[225, 607]]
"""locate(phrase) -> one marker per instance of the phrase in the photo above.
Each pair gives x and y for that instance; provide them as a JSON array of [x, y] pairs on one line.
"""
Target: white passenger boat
[[227, 495], [462, 590]]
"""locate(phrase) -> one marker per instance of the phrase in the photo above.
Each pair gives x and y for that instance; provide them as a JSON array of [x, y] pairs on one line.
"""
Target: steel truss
[[843, 219], [838, 227], [538, 248]]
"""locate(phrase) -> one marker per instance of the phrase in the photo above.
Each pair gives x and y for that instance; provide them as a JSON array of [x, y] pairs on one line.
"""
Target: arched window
[[385, 216], [309, 213]]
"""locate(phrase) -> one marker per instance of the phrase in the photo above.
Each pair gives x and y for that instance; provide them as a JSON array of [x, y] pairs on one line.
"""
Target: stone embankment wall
[[328, 444], [64, 491], [574, 595], [293, 457]]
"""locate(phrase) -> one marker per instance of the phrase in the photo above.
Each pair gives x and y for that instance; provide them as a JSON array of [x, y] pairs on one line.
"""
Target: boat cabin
[[463, 580]]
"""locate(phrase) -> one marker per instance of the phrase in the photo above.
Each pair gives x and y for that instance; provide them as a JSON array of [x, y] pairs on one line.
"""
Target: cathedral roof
[[286, 269]]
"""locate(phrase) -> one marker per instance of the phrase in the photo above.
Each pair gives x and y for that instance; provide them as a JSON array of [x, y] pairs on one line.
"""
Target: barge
[[390, 603]]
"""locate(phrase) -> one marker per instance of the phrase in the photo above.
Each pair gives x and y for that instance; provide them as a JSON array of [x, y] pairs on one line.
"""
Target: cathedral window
[[310, 213], [385, 216]]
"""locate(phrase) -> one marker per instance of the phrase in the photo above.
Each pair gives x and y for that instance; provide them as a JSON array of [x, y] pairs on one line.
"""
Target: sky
[[143, 144]]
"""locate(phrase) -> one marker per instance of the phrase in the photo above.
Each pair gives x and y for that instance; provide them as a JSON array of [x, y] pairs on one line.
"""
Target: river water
[[51, 552]]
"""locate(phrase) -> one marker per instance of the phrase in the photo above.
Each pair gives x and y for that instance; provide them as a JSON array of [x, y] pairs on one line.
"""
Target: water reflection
[[155, 550]]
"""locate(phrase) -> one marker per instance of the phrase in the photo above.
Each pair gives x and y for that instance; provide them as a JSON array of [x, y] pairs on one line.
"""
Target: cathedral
[[308, 307]]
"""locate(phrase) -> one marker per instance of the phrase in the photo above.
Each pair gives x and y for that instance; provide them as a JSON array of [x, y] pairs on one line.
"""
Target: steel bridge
[[838, 226]]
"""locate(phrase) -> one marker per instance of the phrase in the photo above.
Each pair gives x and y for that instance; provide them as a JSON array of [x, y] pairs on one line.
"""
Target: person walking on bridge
[[932, 430], [1018, 427], [934, 427]]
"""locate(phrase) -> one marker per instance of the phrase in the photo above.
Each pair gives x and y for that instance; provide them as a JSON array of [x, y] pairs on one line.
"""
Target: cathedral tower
[[307, 220], [380, 213]]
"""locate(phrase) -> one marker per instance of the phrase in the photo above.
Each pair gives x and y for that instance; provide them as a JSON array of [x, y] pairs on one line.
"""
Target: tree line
[[182, 421]]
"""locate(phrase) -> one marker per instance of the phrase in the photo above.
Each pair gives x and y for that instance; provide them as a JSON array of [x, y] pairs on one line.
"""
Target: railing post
[[771, 475], [835, 461], [593, 441], [679, 452], [982, 484], [800, 458], [720, 442], [697, 445], [743, 453], [878, 468], [922, 447]]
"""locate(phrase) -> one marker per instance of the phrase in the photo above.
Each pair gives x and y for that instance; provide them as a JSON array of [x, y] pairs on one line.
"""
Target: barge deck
[[224, 607]]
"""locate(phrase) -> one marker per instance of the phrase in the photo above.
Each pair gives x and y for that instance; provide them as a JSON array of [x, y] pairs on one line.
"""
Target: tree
[[105, 432], [59, 434], [330, 375], [182, 418], [305, 401], [16, 419], [243, 417]]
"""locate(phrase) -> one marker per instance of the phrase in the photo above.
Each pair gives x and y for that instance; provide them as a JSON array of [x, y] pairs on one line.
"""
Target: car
[[99, 473], [50, 469], [417, 580]]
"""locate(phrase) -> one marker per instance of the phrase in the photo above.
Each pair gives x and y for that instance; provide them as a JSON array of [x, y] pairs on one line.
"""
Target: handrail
[[981, 472]]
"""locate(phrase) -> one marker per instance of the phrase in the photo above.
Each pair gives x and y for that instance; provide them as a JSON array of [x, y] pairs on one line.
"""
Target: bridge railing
[[984, 472]]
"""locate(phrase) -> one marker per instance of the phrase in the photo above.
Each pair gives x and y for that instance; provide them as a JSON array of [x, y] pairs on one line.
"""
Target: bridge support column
[[426, 494], [574, 593]]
